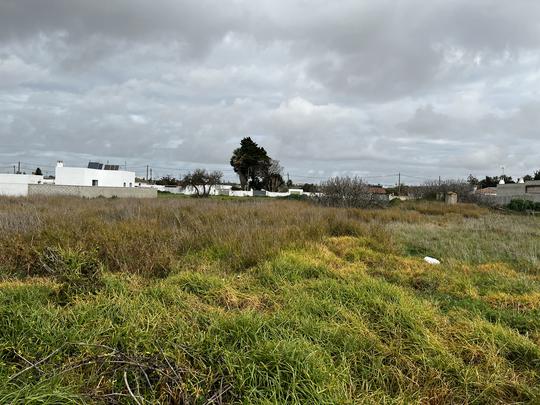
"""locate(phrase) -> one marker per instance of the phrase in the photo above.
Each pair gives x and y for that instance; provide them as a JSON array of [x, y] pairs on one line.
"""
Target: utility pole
[[399, 183], [146, 172], [14, 171], [150, 174], [19, 168]]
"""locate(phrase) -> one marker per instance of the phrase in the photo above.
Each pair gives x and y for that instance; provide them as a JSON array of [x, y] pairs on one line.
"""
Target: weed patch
[[77, 271]]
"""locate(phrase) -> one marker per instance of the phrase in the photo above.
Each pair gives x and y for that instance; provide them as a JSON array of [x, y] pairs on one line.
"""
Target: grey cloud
[[124, 19], [439, 87]]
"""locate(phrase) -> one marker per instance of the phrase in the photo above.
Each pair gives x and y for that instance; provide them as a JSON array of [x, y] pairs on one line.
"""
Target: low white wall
[[13, 189], [400, 197], [276, 194], [221, 189], [168, 189], [190, 190], [241, 193]]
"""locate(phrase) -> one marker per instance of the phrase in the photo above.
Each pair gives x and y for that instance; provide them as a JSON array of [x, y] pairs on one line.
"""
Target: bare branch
[[129, 389]]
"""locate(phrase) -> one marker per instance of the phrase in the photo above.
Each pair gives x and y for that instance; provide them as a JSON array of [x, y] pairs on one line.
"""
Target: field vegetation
[[181, 300]]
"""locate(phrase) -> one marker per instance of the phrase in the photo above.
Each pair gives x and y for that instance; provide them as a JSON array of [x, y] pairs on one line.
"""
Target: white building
[[16, 185], [96, 174]]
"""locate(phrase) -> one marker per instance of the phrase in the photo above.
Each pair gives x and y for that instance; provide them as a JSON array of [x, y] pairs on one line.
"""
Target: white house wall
[[79, 176], [13, 190], [16, 185]]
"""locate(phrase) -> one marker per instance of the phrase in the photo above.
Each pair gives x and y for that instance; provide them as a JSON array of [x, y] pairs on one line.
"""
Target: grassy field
[[258, 301]]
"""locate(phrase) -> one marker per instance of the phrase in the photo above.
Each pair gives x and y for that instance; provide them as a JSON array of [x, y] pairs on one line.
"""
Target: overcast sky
[[426, 88]]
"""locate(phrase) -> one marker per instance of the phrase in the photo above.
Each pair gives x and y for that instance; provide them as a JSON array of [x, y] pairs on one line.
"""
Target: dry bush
[[430, 189], [348, 192]]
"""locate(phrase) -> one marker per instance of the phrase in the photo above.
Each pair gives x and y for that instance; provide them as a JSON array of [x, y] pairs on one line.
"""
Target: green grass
[[510, 239], [192, 301]]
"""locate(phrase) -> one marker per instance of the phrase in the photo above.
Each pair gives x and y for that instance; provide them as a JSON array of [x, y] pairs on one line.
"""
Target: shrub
[[349, 192], [523, 205], [430, 189]]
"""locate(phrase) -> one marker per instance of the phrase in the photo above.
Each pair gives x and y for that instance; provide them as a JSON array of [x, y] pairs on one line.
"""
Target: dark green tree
[[489, 182], [494, 181], [38, 172], [168, 181], [309, 188], [251, 162]]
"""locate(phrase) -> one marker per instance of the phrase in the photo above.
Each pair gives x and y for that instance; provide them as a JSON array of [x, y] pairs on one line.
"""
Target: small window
[[131, 184], [94, 183], [124, 184]]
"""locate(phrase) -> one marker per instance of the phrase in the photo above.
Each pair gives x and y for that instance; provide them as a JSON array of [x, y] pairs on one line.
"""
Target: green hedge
[[523, 205]]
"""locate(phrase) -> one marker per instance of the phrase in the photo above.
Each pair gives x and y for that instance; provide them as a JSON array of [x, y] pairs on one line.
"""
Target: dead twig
[[218, 396], [35, 365], [129, 389]]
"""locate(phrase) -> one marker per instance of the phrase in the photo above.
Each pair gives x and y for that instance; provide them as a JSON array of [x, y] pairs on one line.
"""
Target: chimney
[[60, 163]]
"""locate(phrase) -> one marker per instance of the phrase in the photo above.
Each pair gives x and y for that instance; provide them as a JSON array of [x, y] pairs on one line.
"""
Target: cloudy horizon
[[370, 88]]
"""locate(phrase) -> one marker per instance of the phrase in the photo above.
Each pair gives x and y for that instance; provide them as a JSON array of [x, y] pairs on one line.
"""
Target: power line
[[154, 171], [415, 177]]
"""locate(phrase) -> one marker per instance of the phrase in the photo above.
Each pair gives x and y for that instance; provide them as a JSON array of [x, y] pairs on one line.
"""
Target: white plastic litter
[[431, 260]]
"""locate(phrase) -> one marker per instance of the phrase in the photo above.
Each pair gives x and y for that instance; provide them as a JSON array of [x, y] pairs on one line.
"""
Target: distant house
[[529, 190], [378, 193], [96, 174], [96, 180], [377, 190], [486, 191]]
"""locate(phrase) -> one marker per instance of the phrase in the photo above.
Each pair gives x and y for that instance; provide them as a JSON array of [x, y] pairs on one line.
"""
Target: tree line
[[255, 169], [493, 181]]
